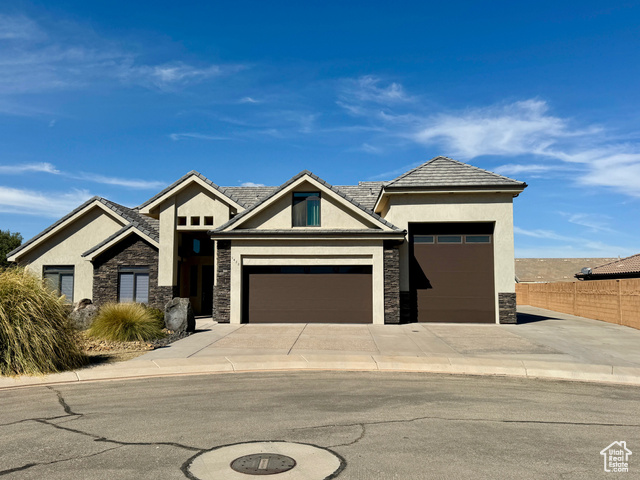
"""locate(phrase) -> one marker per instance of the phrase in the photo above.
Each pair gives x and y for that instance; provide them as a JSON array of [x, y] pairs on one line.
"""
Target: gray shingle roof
[[146, 225], [445, 172], [192, 173], [319, 180], [365, 193], [248, 196]]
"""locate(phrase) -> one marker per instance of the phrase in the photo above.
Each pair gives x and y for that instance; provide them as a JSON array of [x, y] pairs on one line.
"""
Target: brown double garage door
[[307, 294], [452, 272]]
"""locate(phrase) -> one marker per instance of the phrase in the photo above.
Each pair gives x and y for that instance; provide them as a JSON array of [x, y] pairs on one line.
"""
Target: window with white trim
[[133, 284]]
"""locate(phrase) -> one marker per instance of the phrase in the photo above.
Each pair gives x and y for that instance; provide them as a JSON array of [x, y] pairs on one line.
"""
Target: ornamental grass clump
[[36, 336], [126, 322]]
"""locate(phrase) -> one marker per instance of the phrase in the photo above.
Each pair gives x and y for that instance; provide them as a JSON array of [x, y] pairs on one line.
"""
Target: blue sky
[[119, 99]]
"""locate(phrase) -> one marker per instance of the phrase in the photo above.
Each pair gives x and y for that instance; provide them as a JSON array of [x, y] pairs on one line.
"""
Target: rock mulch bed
[[106, 351]]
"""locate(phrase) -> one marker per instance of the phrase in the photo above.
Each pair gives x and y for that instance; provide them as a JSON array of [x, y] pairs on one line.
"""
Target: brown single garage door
[[452, 276], [307, 294]]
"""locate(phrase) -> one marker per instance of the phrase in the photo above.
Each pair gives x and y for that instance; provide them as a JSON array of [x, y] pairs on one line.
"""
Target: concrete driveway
[[544, 344]]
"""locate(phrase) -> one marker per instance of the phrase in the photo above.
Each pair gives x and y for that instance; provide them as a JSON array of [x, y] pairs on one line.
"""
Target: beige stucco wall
[[168, 251], [193, 200], [66, 247], [338, 252], [455, 207], [333, 215]]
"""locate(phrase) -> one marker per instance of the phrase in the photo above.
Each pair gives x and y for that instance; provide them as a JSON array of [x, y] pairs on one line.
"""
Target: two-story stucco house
[[433, 245]]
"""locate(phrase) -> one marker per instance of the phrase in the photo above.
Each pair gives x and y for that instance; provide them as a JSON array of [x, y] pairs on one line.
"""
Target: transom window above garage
[[305, 210]]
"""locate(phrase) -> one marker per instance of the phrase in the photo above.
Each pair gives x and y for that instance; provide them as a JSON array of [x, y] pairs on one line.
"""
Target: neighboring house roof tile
[[530, 270], [442, 172], [184, 178], [621, 266], [317, 179]]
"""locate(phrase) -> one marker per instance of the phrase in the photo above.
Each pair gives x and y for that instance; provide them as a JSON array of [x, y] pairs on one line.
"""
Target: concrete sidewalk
[[544, 344]]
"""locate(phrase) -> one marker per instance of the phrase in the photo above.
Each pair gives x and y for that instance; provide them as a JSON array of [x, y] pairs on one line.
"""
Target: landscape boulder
[[83, 314], [178, 316]]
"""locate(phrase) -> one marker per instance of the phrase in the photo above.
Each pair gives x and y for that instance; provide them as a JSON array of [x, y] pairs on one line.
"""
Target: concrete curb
[[133, 369]]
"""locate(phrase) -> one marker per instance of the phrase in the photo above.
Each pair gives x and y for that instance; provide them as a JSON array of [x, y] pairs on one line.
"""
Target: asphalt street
[[384, 425]]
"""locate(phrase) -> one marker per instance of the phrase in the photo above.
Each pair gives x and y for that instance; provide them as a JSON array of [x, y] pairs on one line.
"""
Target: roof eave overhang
[[398, 235], [388, 191], [607, 276]]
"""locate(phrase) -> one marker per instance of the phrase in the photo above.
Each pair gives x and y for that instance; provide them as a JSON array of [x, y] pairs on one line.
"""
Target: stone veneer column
[[391, 284], [507, 308], [132, 251], [222, 288]]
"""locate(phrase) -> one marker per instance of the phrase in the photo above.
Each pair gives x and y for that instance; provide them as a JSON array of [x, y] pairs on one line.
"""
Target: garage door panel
[[453, 282], [309, 298]]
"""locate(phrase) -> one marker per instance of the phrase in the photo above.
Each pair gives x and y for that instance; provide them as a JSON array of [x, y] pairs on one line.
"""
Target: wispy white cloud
[[34, 59], [120, 182], [198, 136], [251, 184], [18, 27], [48, 204], [593, 221], [542, 234], [368, 148], [28, 167], [587, 249], [514, 129], [370, 88], [591, 154], [45, 167], [514, 169], [248, 100]]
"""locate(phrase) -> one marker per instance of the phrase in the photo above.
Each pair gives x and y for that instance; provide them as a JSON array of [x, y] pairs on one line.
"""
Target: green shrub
[[126, 322], [157, 314], [36, 336]]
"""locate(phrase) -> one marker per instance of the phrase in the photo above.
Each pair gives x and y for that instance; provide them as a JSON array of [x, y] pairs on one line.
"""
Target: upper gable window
[[306, 209]]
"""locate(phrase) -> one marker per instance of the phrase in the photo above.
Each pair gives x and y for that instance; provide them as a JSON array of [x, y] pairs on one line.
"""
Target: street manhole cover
[[294, 461], [263, 464]]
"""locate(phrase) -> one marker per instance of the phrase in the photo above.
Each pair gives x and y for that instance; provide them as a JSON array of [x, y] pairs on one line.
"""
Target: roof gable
[[444, 172], [120, 235], [191, 177], [122, 214], [340, 197]]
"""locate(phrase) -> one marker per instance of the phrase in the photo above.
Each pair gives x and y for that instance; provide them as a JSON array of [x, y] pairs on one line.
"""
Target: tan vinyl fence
[[613, 301]]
